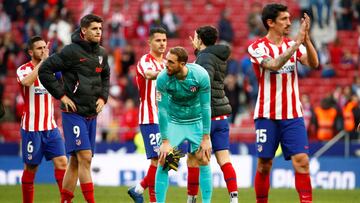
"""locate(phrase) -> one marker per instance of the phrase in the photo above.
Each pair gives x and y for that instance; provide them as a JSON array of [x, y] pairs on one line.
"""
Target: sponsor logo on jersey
[[259, 148], [40, 90]]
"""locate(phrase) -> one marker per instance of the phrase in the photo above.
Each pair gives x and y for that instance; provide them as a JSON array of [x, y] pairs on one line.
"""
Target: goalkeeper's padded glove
[[172, 160]]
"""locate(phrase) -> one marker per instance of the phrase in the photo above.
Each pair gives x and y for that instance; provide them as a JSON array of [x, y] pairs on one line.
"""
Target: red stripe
[[272, 96], [262, 93], [141, 84], [284, 96], [46, 112], [37, 111], [293, 101]]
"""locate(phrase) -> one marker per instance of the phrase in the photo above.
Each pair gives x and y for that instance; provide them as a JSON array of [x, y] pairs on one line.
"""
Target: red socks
[[88, 192], [193, 181], [66, 196], [262, 185], [27, 186], [151, 182], [303, 187], [59, 176], [230, 177]]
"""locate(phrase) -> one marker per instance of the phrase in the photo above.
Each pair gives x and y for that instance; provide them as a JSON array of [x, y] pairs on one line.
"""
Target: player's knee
[[31, 167], [264, 165], [192, 161], [301, 162]]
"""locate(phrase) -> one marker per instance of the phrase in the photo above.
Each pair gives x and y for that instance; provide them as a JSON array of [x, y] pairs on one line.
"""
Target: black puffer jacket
[[213, 59], [85, 73]]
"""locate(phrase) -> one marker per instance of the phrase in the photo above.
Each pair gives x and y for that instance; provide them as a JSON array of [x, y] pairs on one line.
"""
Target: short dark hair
[[88, 19], [181, 53], [157, 30], [208, 34], [271, 11], [32, 40]]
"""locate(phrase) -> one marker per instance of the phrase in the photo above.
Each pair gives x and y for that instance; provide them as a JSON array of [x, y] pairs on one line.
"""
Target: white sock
[[191, 199], [234, 197], [139, 189]]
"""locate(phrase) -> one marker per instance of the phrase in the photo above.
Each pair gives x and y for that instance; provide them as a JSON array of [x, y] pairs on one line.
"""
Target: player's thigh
[[267, 137], [194, 134], [151, 137], [176, 134], [31, 147], [54, 145], [77, 134], [294, 138], [220, 135]]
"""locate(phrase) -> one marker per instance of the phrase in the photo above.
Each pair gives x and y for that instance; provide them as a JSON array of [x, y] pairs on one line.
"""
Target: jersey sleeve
[[143, 65], [205, 102], [301, 51], [162, 101], [257, 54], [22, 72]]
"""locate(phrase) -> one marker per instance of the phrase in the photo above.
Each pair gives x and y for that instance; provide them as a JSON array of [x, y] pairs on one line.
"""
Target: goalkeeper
[[184, 114]]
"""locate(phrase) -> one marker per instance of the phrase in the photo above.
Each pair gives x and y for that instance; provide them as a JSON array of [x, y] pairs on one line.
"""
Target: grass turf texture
[[49, 194]]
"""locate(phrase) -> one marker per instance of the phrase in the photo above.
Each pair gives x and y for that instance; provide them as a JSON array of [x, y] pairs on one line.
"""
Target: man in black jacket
[[84, 92], [213, 58]]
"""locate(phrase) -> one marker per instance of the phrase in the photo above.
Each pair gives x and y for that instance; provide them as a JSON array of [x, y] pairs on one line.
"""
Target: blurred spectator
[[308, 115], [319, 4], [5, 23], [356, 85], [127, 59], [10, 50], [55, 43], [351, 115], [9, 115], [34, 9], [117, 23], [335, 51], [63, 27], [150, 9], [255, 24], [87, 7], [226, 31], [32, 28], [326, 117], [129, 121], [325, 62], [19, 106], [10, 6], [344, 14], [347, 60], [250, 80], [141, 29], [232, 91], [171, 21]]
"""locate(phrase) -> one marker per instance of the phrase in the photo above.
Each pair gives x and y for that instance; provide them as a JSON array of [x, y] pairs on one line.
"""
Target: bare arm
[[277, 63], [151, 75], [29, 79]]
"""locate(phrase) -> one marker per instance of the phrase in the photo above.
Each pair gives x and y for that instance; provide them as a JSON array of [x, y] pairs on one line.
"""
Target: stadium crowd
[[330, 95]]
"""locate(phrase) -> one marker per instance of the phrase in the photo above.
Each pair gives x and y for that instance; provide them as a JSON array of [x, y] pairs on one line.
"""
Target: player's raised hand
[[302, 32], [165, 148], [68, 103], [100, 103], [45, 54], [194, 42]]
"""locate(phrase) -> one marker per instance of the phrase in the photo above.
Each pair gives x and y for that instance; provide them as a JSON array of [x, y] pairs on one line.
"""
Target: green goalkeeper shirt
[[184, 101]]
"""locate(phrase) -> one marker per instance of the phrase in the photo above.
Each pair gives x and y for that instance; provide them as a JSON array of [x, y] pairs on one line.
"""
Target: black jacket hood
[[219, 50], [77, 38]]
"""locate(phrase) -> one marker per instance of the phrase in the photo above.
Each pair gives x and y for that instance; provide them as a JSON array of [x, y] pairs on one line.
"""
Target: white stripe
[[267, 94], [41, 112], [289, 92], [31, 108], [278, 97], [298, 104]]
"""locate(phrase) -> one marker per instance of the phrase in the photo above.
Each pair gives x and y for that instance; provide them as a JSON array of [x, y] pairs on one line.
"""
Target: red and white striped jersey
[[278, 96], [148, 112], [38, 114]]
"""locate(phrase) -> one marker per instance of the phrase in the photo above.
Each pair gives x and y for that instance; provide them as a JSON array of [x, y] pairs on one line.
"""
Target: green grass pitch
[[49, 194]]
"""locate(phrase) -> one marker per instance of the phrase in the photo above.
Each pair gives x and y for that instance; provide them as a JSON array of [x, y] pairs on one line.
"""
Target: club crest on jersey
[[259, 148], [78, 142], [100, 59], [193, 88], [29, 156]]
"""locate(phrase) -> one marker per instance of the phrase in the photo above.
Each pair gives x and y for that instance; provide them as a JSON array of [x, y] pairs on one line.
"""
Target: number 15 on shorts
[[261, 136]]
